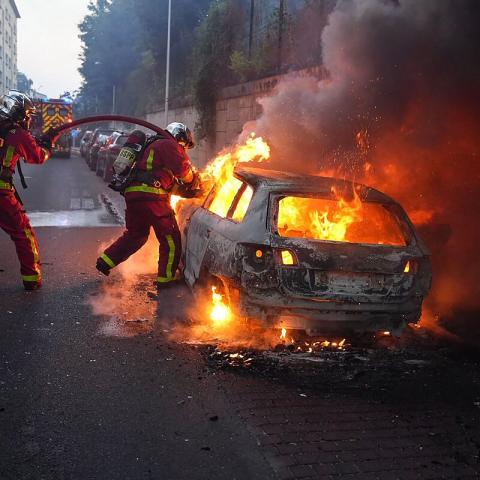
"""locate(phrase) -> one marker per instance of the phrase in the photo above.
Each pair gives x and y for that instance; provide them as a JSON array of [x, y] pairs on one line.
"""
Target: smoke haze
[[403, 85]]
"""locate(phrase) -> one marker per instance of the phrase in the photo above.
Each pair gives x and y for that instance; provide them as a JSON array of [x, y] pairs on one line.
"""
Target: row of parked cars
[[100, 148]]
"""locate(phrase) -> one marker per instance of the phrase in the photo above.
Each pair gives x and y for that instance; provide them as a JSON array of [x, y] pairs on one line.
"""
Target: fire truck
[[52, 113]]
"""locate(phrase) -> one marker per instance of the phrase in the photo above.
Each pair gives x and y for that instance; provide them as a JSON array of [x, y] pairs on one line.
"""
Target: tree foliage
[[214, 43]]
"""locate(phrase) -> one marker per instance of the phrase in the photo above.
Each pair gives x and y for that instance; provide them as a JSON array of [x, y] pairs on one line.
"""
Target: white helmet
[[182, 134]]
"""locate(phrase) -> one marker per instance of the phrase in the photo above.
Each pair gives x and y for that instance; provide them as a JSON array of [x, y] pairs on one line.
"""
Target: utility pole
[[281, 20], [250, 33], [114, 98], [167, 73]]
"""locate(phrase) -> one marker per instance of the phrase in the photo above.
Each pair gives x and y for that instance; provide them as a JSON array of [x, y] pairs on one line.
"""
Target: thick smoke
[[403, 84]]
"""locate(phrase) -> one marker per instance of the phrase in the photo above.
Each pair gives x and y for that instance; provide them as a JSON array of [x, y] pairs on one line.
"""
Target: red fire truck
[[52, 113]]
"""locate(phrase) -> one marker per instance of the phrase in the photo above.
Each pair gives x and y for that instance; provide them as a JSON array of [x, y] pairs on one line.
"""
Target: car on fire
[[308, 253]]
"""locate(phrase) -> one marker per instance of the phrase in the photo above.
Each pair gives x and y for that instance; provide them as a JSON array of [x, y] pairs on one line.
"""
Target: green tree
[[220, 34], [109, 34]]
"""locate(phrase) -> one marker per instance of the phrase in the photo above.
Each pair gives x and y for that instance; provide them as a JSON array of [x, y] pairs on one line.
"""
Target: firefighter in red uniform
[[16, 110], [162, 163]]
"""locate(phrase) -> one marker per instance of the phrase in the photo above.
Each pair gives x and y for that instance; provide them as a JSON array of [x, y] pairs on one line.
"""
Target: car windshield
[[339, 220], [121, 140]]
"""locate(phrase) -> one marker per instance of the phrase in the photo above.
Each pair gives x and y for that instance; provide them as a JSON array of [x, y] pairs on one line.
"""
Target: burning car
[[308, 253]]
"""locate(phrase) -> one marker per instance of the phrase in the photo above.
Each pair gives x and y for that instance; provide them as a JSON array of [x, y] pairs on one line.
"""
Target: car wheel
[[202, 292]]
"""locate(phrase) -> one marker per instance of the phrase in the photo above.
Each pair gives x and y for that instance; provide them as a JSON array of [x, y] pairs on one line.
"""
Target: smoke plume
[[399, 109]]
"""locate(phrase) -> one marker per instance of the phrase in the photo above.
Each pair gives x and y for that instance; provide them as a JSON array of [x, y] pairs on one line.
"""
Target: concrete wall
[[236, 106]]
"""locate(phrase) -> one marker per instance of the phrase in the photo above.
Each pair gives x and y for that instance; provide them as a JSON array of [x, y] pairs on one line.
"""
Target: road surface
[[86, 395]]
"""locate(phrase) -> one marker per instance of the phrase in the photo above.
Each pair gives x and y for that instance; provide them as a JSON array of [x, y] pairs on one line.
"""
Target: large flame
[[338, 219]]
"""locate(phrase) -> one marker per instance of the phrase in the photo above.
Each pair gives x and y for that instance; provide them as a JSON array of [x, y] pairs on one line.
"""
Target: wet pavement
[[93, 387]]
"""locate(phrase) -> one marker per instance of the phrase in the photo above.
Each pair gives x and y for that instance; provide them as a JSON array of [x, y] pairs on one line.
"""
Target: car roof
[[278, 181]]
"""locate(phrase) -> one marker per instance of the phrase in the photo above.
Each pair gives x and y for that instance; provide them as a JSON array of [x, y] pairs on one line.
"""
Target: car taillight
[[287, 257]]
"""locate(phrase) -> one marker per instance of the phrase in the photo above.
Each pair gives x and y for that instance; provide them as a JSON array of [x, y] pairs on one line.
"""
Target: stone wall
[[236, 106]]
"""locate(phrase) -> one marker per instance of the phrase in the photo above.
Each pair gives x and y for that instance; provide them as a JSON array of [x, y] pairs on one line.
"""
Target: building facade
[[9, 15]]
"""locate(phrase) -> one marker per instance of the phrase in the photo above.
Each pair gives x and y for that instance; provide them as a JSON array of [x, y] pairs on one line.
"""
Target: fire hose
[[186, 191], [55, 132]]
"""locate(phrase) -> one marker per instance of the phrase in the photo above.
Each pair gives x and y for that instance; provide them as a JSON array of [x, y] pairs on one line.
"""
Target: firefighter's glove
[[194, 188], [48, 139]]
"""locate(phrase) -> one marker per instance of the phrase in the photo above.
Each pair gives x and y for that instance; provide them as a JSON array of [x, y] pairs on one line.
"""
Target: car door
[[213, 227]]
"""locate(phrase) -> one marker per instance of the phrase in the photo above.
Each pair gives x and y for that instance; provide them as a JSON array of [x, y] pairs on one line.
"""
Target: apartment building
[[9, 15]]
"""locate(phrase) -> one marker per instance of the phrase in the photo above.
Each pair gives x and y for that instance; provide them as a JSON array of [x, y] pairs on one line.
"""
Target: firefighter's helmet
[[18, 107], [182, 134]]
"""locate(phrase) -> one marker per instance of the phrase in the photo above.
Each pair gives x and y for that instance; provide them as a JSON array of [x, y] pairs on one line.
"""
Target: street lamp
[[167, 73]]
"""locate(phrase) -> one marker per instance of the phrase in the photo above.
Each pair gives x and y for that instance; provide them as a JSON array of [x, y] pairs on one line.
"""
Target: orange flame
[[220, 312]]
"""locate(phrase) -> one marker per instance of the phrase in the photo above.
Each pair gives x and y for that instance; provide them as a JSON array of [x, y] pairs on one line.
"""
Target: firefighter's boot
[[30, 286], [102, 266]]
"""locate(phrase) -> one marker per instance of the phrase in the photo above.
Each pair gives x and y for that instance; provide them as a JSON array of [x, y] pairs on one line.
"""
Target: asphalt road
[[87, 394], [76, 404]]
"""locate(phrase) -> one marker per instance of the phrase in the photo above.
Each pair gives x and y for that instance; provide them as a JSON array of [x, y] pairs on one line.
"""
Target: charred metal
[[326, 286]]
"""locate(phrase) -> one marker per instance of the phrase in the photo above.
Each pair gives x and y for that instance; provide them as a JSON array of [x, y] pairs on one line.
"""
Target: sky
[[48, 43]]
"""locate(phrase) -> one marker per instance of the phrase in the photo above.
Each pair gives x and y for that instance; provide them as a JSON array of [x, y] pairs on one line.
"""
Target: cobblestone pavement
[[390, 415]]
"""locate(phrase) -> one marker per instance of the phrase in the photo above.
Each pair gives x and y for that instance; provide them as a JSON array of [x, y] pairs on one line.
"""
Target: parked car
[[94, 149], [271, 263], [85, 141], [96, 133], [108, 154]]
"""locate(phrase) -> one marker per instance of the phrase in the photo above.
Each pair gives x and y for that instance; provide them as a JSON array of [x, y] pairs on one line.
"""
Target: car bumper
[[331, 317]]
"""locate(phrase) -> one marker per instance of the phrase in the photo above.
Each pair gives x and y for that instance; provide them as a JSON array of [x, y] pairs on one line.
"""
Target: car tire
[[202, 292]]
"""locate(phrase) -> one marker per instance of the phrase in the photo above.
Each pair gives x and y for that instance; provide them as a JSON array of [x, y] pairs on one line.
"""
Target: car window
[[63, 112], [121, 140], [242, 204], [231, 200], [328, 219]]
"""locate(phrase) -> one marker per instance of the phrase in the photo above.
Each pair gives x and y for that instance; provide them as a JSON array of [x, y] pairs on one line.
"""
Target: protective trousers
[[15, 223], [140, 215]]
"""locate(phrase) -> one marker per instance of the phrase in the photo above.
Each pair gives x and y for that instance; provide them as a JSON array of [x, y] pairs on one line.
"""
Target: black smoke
[[404, 77]]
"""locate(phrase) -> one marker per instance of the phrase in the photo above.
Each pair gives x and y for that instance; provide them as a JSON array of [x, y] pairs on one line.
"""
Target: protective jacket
[[163, 161], [16, 143], [148, 206]]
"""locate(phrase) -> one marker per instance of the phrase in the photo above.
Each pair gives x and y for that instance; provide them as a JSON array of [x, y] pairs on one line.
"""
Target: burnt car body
[[318, 286]]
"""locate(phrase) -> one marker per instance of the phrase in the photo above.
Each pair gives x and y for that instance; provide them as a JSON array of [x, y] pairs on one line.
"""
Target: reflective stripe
[[150, 160], [33, 245], [108, 260], [164, 279], [7, 161], [171, 258], [31, 278], [5, 185], [146, 189], [171, 255]]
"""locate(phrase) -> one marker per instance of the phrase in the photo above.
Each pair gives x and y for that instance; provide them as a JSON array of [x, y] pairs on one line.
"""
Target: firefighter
[[163, 163], [16, 141]]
